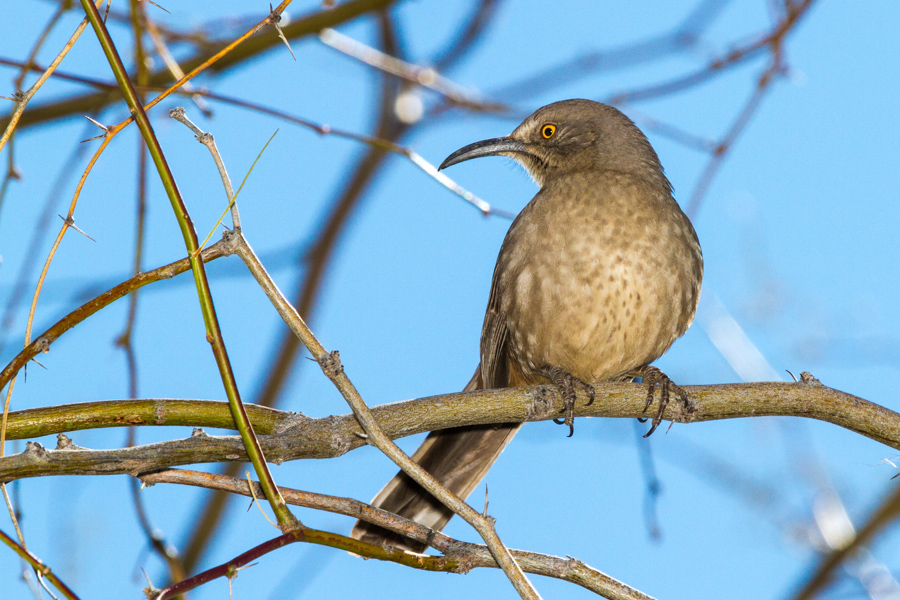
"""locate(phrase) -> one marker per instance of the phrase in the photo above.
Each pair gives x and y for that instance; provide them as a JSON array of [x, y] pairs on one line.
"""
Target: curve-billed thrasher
[[596, 278]]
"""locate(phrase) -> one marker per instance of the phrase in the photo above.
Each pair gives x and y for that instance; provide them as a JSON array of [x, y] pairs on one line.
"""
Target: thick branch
[[300, 437]]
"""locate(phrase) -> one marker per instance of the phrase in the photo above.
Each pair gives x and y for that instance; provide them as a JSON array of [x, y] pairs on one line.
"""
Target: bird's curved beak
[[491, 147]]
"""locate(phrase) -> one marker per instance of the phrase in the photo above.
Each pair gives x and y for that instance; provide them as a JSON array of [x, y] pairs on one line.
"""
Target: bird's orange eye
[[547, 131]]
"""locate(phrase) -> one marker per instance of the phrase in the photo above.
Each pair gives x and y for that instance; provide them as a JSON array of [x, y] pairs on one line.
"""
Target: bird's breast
[[599, 282]]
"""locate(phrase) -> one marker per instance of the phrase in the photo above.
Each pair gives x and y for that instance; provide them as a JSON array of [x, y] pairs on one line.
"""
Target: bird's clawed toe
[[566, 383], [653, 377]]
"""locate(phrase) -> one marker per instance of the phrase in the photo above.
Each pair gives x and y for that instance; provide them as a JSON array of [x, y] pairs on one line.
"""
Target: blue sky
[[798, 230]]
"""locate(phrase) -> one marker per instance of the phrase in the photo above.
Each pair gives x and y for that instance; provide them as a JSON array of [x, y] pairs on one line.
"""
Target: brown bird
[[596, 278]]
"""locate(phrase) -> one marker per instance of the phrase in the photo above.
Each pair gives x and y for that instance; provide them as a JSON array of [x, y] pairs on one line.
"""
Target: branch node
[[274, 16], [35, 449], [807, 378], [43, 344], [64, 443], [541, 405], [331, 364]]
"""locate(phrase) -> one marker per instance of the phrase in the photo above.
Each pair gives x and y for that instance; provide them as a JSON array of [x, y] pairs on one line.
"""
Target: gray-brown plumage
[[596, 278]]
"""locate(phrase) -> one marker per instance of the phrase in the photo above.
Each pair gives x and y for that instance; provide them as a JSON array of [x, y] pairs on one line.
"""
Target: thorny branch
[[290, 436], [458, 556]]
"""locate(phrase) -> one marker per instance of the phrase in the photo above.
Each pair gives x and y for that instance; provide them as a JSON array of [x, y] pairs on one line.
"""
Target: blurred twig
[[737, 127], [309, 24], [769, 40], [886, 513], [684, 36], [423, 76], [322, 129]]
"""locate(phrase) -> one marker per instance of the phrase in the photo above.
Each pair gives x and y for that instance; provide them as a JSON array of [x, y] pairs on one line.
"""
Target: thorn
[[485, 500], [157, 6], [275, 19], [18, 97], [105, 129], [71, 223], [150, 589], [97, 123], [256, 501]]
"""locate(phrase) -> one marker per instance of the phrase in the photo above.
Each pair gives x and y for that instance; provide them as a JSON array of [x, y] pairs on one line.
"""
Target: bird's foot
[[653, 377], [566, 383]]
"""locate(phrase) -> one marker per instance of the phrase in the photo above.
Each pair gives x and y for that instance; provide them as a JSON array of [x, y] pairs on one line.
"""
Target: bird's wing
[[494, 336]]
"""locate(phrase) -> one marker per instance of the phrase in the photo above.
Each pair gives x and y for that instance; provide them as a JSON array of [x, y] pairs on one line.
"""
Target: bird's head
[[572, 136]]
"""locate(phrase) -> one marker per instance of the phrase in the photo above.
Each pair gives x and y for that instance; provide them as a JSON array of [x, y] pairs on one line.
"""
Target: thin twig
[[460, 556], [23, 98], [209, 141]]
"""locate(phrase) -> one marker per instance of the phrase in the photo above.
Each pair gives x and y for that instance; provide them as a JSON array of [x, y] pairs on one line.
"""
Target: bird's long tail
[[459, 458]]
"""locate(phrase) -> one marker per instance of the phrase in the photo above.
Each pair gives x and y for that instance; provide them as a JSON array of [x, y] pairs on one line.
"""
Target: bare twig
[[44, 340], [459, 557], [209, 141]]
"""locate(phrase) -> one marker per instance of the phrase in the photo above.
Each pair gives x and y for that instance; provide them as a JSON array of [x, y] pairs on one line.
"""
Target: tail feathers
[[459, 458]]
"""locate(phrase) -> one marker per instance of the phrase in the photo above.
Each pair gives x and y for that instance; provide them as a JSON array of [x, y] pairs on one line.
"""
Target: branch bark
[[295, 436]]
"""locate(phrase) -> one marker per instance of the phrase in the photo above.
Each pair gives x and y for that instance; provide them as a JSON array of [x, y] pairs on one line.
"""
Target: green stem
[[213, 332], [38, 566]]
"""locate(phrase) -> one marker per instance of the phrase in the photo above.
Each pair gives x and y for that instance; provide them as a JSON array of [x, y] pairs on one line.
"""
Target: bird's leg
[[653, 377], [566, 383]]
